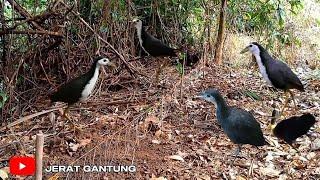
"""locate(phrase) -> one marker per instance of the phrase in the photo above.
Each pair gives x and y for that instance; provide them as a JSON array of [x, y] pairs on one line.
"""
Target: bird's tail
[[309, 118]]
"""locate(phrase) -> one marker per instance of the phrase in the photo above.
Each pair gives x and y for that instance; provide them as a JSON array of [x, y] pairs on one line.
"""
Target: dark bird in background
[[292, 128], [239, 125], [154, 47], [276, 73], [191, 58], [80, 88]]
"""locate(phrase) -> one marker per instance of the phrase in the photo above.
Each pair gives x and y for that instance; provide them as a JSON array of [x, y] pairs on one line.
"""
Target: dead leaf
[[298, 164], [54, 177], [152, 119], [176, 157], [84, 142], [3, 174], [154, 141], [153, 177], [203, 177], [158, 133], [270, 171], [240, 178], [74, 146]]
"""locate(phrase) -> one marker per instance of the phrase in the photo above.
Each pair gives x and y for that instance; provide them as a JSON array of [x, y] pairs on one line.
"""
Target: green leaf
[[252, 95], [3, 99], [179, 68], [318, 21]]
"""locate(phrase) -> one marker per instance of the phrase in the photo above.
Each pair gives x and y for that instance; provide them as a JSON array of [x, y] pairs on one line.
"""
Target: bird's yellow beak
[[245, 50]]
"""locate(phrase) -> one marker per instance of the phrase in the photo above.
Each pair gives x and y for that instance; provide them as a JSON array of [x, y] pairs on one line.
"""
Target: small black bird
[[239, 125], [292, 128], [190, 59], [80, 88], [275, 72]]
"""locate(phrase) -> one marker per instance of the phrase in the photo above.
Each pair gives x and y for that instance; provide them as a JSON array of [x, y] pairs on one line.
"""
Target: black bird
[[275, 72], [153, 46], [80, 88], [150, 44], [292, 128], [239, 125], [190, 59]]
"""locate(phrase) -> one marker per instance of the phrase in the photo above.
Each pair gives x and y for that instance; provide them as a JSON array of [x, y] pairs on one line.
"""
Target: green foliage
[[3, 98], [265, 18], [179, 68], [188, 21]]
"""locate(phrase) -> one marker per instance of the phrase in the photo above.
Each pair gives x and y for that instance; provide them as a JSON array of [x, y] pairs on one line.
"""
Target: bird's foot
[[75, 126]]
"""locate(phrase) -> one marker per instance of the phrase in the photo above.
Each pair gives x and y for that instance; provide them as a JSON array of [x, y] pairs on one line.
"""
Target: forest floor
[[168, 134]]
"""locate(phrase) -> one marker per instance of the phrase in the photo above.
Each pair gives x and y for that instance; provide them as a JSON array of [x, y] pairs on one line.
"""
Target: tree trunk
[[221, 31]]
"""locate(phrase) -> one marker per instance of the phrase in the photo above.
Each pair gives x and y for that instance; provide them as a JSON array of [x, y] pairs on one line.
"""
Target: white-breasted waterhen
[[80, 88], [275, 72], [239, 125], [153, 46], [290, 129]]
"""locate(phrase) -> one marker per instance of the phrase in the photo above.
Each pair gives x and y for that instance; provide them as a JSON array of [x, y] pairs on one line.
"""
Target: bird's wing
[[246, 127], [156, 47], [67, 92], [283, 77]]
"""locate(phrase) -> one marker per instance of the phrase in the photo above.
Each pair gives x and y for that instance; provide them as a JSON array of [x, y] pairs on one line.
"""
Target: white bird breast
[[90, 86], [263, 70]]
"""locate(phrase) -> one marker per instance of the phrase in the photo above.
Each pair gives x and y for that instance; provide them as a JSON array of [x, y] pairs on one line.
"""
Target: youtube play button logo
[[22, 165]]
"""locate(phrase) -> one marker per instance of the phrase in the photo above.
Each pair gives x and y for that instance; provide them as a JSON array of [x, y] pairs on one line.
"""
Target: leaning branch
[[128, 65], [24, 13], [44, 32]]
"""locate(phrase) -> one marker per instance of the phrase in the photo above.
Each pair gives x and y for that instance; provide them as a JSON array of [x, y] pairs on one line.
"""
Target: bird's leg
[[236, 153], [238, 150], [65, 115], [285, 103], [291, 145], [294, 101], [159, 69]]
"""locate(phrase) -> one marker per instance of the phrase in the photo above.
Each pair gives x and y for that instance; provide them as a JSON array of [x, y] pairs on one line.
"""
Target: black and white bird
[[152, 45], [80, 88], [239, 125], [292, 128], [276, 73], [156, 48]]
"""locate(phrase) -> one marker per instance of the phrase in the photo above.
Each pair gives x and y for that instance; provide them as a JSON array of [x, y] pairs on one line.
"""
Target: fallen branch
[[51, 33], [23, 119]]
